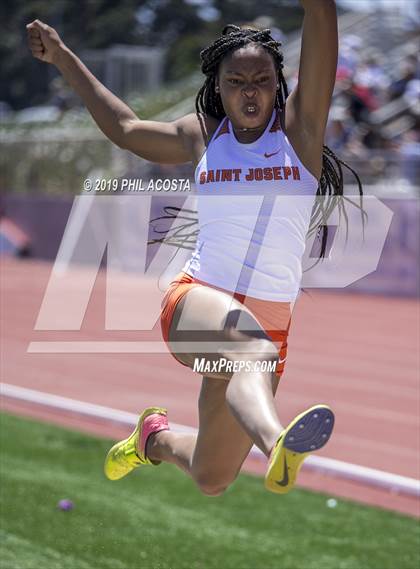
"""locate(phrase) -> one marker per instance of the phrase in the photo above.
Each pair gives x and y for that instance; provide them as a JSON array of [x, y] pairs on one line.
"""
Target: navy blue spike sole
[[311, 432]]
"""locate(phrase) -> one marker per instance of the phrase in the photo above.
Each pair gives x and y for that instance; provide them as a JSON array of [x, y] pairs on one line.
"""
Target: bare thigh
[[211, 324]]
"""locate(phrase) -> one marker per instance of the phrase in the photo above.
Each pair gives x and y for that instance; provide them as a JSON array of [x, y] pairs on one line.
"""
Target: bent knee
[[211, 486], [212, 489]]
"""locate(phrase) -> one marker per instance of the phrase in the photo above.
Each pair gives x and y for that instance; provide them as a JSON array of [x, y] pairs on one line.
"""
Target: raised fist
[[44, 42]]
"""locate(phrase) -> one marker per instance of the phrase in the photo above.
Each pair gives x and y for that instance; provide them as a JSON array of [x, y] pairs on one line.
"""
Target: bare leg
[[250, 397], [214, 457], [235, 411], [176, 448], [250, 394]]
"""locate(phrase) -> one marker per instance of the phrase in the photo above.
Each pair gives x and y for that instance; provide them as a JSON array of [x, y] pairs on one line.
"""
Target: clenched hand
[[44, 42]]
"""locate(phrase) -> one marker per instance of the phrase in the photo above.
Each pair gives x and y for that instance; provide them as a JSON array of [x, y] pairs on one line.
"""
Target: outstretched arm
[[155, 141], [310, 101]]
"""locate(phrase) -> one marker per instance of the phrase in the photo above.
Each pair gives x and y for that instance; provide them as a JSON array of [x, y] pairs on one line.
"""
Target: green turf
[[155, 518]]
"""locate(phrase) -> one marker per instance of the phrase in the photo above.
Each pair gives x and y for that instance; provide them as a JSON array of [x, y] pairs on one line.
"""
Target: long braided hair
[[330, 193]]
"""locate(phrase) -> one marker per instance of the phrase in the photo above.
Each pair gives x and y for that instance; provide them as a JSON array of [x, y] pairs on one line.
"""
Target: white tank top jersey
[[254, 207]]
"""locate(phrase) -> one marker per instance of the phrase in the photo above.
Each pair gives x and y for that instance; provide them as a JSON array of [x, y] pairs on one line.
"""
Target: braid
[[330, 193], [174, 235]]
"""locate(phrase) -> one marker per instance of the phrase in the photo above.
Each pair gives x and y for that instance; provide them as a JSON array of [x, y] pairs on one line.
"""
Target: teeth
[[251, 109]]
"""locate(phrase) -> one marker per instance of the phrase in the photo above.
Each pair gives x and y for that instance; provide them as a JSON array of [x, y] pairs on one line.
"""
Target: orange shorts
[[274, 317]]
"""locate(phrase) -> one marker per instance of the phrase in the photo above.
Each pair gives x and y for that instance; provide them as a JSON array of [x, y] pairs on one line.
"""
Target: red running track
[[359, 354]]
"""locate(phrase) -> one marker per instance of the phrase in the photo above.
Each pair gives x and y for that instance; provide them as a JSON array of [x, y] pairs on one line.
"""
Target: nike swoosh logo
[[285, 480], [272, 154]]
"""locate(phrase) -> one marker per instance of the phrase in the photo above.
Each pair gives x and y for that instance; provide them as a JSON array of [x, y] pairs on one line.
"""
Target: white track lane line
[[338, 468]]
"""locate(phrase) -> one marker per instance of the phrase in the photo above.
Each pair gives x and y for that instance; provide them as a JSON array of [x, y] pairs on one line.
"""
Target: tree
[[83, 24]]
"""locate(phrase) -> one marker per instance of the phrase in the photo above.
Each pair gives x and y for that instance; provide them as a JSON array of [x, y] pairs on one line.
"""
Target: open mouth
[[250, 109]]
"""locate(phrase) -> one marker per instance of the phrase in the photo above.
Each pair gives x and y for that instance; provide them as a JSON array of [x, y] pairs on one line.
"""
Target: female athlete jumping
[[235, 295]]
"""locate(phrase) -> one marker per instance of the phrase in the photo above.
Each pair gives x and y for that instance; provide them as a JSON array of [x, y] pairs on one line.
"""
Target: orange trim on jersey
[[276, 123], [224, 129]]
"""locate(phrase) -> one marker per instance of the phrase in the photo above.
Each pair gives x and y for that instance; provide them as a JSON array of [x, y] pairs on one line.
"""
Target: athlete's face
[[247, 81]]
